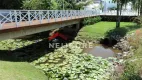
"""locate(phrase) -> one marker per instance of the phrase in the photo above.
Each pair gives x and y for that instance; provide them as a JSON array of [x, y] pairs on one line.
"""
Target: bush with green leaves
[[89, 21], [137, 20], [69, 63], [55, 4]]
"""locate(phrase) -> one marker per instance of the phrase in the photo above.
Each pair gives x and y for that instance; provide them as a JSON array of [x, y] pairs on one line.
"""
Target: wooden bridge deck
[[35, 23]]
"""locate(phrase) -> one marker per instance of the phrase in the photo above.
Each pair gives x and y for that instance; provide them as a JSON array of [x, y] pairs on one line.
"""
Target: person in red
[[58, 34]]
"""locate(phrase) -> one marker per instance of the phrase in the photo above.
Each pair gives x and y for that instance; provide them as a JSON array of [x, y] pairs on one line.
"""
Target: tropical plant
[[89, 21], [120, 4], [42, 4], [137, 4], [55, 4]]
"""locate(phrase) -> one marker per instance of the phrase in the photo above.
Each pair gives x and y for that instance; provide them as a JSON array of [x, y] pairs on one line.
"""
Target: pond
[[102, 51]]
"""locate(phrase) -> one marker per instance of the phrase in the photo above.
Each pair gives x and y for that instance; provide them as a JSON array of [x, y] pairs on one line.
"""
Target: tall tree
[[55, 4], [137, 4], [40, 4], [118, 14], [120, 4], [77, 4]]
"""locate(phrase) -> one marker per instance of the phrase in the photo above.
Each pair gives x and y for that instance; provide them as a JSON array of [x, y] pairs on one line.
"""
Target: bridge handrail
[[123, 13], [29, 16]]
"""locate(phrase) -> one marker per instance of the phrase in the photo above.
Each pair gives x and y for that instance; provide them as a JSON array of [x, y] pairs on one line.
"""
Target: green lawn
[[13, 68], [100, 29], [19, 71]]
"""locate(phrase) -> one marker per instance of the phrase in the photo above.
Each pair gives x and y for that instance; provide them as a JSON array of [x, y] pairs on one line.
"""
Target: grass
[[13, 68], [19, 71], [100, 29]]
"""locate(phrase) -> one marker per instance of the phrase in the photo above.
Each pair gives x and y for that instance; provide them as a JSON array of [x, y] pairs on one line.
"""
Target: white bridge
[[34, 21]]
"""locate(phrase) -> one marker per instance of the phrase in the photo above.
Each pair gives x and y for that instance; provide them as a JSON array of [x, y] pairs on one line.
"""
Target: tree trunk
[[138, 6], [141, 11], [118, 15], [138, 11], [121, 10]]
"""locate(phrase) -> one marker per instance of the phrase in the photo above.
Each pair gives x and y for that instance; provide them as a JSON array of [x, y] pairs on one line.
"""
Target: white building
[[102, 4], [106, 5], [95, 5], [128, 6]]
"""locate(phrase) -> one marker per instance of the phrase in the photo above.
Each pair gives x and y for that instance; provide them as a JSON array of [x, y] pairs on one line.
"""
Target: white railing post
[[82, 13], [75, 13], [29, 18], [71, 13], [48, 15], [11, 17], [79, 13], [15, 13], [90, 13], [40, 17], [67, 14], [0, 24], [61, 11], [87, 13], [55, 15], [20, 16]]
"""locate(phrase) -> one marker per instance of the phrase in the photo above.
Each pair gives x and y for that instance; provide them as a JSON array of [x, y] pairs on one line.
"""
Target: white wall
[[105, 3], [128, 6], [108, 4], [92, 6]]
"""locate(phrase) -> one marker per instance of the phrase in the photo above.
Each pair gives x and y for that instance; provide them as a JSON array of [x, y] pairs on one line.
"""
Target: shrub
[[137, 20], [89, 21], [131, 72]]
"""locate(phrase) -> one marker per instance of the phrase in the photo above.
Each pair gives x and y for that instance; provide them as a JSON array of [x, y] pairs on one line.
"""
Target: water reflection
[[101, 51]]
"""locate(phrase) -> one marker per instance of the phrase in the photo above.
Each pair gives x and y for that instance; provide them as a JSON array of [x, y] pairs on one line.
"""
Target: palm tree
[[120, 4], [118, 15], [137, 4]]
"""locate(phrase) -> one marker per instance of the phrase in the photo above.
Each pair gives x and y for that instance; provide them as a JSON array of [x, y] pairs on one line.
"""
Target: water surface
[[102, 51]]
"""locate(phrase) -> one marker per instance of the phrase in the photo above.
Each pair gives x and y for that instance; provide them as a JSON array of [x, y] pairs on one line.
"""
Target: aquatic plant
[[69, 63], [12, 44]]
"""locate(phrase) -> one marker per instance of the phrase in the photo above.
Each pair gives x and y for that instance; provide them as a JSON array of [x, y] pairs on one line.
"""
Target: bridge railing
[[42, 16], [123, 13], [30, 17]]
